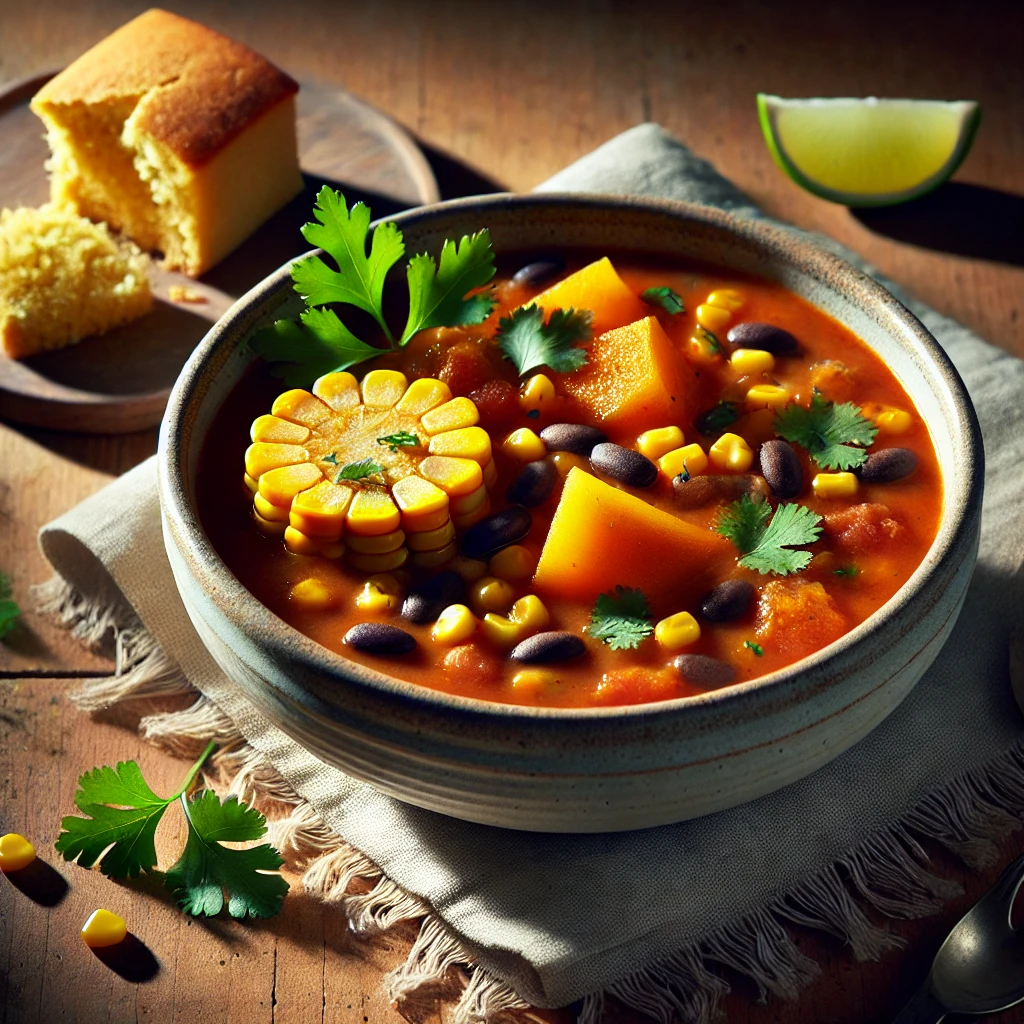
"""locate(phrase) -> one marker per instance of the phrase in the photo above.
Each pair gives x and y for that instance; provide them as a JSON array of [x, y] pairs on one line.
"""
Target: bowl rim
[[957, 523]]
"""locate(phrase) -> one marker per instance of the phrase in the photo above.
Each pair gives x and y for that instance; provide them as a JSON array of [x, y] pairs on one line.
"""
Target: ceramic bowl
[[603, 768]]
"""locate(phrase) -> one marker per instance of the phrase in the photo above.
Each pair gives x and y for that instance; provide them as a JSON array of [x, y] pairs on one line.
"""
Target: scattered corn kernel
[[379, 563], [891, 421], [769, 396], [423, 395], [16, 852], [713, 318], [379, 595], [383, 388], [311, 595], [536, 391], [689, 460], [454, 625], [491, 595], [453, 415], [378, 545], [372, 512], [339, 390], [564, 461], [834, 485], [267, 511], [677, 631], [726, 298], [433, 559], [500, 630], [431, 540], [513, 563], [529, 614], [703, 347], [660, 441], [752, 361], [470, 569], [466, 443], [103, 929], [524, 445], [731, 452], [534, 681], [298, 543]]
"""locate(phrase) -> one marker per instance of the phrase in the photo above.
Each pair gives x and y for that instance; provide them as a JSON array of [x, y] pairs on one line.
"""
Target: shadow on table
[[456, 179], [40, 882], [131, 958], [958, 218]]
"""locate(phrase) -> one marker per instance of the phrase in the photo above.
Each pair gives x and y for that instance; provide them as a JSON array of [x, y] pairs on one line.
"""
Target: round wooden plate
[[120, 382]]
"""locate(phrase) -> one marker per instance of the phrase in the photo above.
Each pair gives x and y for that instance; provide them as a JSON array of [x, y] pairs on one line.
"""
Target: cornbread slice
[[63, 278], [174, 135]]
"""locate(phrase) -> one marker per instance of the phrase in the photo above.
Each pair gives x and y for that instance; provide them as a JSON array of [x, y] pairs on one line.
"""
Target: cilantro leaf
[[402, 439], [437, 294], [665, 297], [206, 869], [756, 648], [9, 610], [342, 233], [849, 571], [765, 545], [621, 620], [358, 470], [524, 338], [827, 431]]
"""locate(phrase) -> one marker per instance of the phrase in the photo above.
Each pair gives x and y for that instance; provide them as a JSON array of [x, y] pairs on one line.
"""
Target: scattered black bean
[[715, 420], [728, 601], [428, 599], [538, 272], [700, 491], [533, 484], [888, 466], [496, 532], [544, 648], [623, 464], [781, 469], [702, 670], [766, 337], [572, 437], [380, 638]]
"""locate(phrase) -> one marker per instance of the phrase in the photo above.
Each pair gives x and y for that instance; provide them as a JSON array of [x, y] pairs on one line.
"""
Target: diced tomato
[[498, 404], [862, 528], [797, 617], [465, 367], [470, 664]]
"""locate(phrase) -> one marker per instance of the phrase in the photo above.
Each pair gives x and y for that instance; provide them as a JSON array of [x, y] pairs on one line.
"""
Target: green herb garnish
[[711, 339], [529, 342], [332, 458], [756, 648], [121, 816], [438, 294], [358, 470], [9, 610], [717, 419], [849, 571], [764, 540], [664, 297], [621, 620], [403, 439], [827, 431]]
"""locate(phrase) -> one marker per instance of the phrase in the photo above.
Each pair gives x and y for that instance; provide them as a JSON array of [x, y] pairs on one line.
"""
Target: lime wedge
[[867, 152]]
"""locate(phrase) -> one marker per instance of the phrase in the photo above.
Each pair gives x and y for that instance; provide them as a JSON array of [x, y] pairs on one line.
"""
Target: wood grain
[[500, 96]]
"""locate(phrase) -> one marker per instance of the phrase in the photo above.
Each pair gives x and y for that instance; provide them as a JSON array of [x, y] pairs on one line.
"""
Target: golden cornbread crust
[[201, 89]]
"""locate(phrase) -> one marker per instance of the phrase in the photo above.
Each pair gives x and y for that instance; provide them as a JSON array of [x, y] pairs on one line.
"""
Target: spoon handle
[[923, 1008]]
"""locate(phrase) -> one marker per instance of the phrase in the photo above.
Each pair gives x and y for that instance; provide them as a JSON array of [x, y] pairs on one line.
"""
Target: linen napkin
[[556, 918]]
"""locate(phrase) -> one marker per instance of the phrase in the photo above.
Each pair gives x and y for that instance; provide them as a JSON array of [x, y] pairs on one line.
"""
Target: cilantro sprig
[[621, 620], [669, 300], [358, 470], [441, 294], [120, 814], [529, 342], [828, 431], [765, 540], [9, 610], [400, 439]]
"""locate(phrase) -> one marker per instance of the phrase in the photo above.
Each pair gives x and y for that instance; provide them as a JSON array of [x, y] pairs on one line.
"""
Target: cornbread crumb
[[182, 293], [63, 278]]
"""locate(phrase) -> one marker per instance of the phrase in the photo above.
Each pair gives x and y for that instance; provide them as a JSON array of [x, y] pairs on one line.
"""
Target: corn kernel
[[453, 415], [320, 511], [703, 347], [311, 595], [726, 298], [16, 852], [265, 510], [564, 461], [103, 929], [890, 420], [433, 559], [383, 389], [271, 527], [455, 476], [677, 631], [431, 540], [455, 625], [529, 614], [513, 563], [491, 595], [423, 504], [378, 563], [371, 513], [490, 473], [834, 485], [501, 631], [279, 486], [524, 445], [470, 518], [423, 395], [379, 595], [769, 396], [689, 460], [713, 318], [298, 543], [467, 503], [340, 390], [330, 548], [660, 441], [252, 486], [731, 452], [532, 682], [301, 407], [752, 361], [536, 391], [390, 583], [261, 457], [380, 544], [470, 569], [466, 443], [277, 430]]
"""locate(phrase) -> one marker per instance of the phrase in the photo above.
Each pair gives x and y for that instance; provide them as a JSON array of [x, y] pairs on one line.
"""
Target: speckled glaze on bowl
[[599, 769]]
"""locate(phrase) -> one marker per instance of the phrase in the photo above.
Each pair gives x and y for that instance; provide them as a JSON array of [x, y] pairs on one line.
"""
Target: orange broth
[[885, 547]]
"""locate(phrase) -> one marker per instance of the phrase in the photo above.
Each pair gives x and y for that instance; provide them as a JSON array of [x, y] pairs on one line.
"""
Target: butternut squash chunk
[[596, 287]]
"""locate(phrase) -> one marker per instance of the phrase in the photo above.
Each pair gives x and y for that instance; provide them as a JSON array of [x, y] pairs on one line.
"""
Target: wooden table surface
[[500, 95]]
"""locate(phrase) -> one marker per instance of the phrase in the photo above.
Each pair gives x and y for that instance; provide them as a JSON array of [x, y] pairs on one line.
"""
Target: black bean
[[888, 466], [538, 272], [380, 638], [428, 599], [728, 601], [572, 437], [702, 670], [715, 420], [766, 337], [781, 469], [544, 648], [496, 532], [700, 491], [532, 485], [624, 464]]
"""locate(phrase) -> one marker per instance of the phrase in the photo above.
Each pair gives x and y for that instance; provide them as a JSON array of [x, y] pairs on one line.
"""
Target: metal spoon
[[980, 966]]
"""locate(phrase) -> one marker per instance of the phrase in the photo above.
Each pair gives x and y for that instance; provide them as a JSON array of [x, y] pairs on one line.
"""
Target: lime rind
[[766, 103]]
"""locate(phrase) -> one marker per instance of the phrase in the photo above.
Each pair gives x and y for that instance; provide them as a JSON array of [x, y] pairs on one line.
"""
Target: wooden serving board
[[120, 382]]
